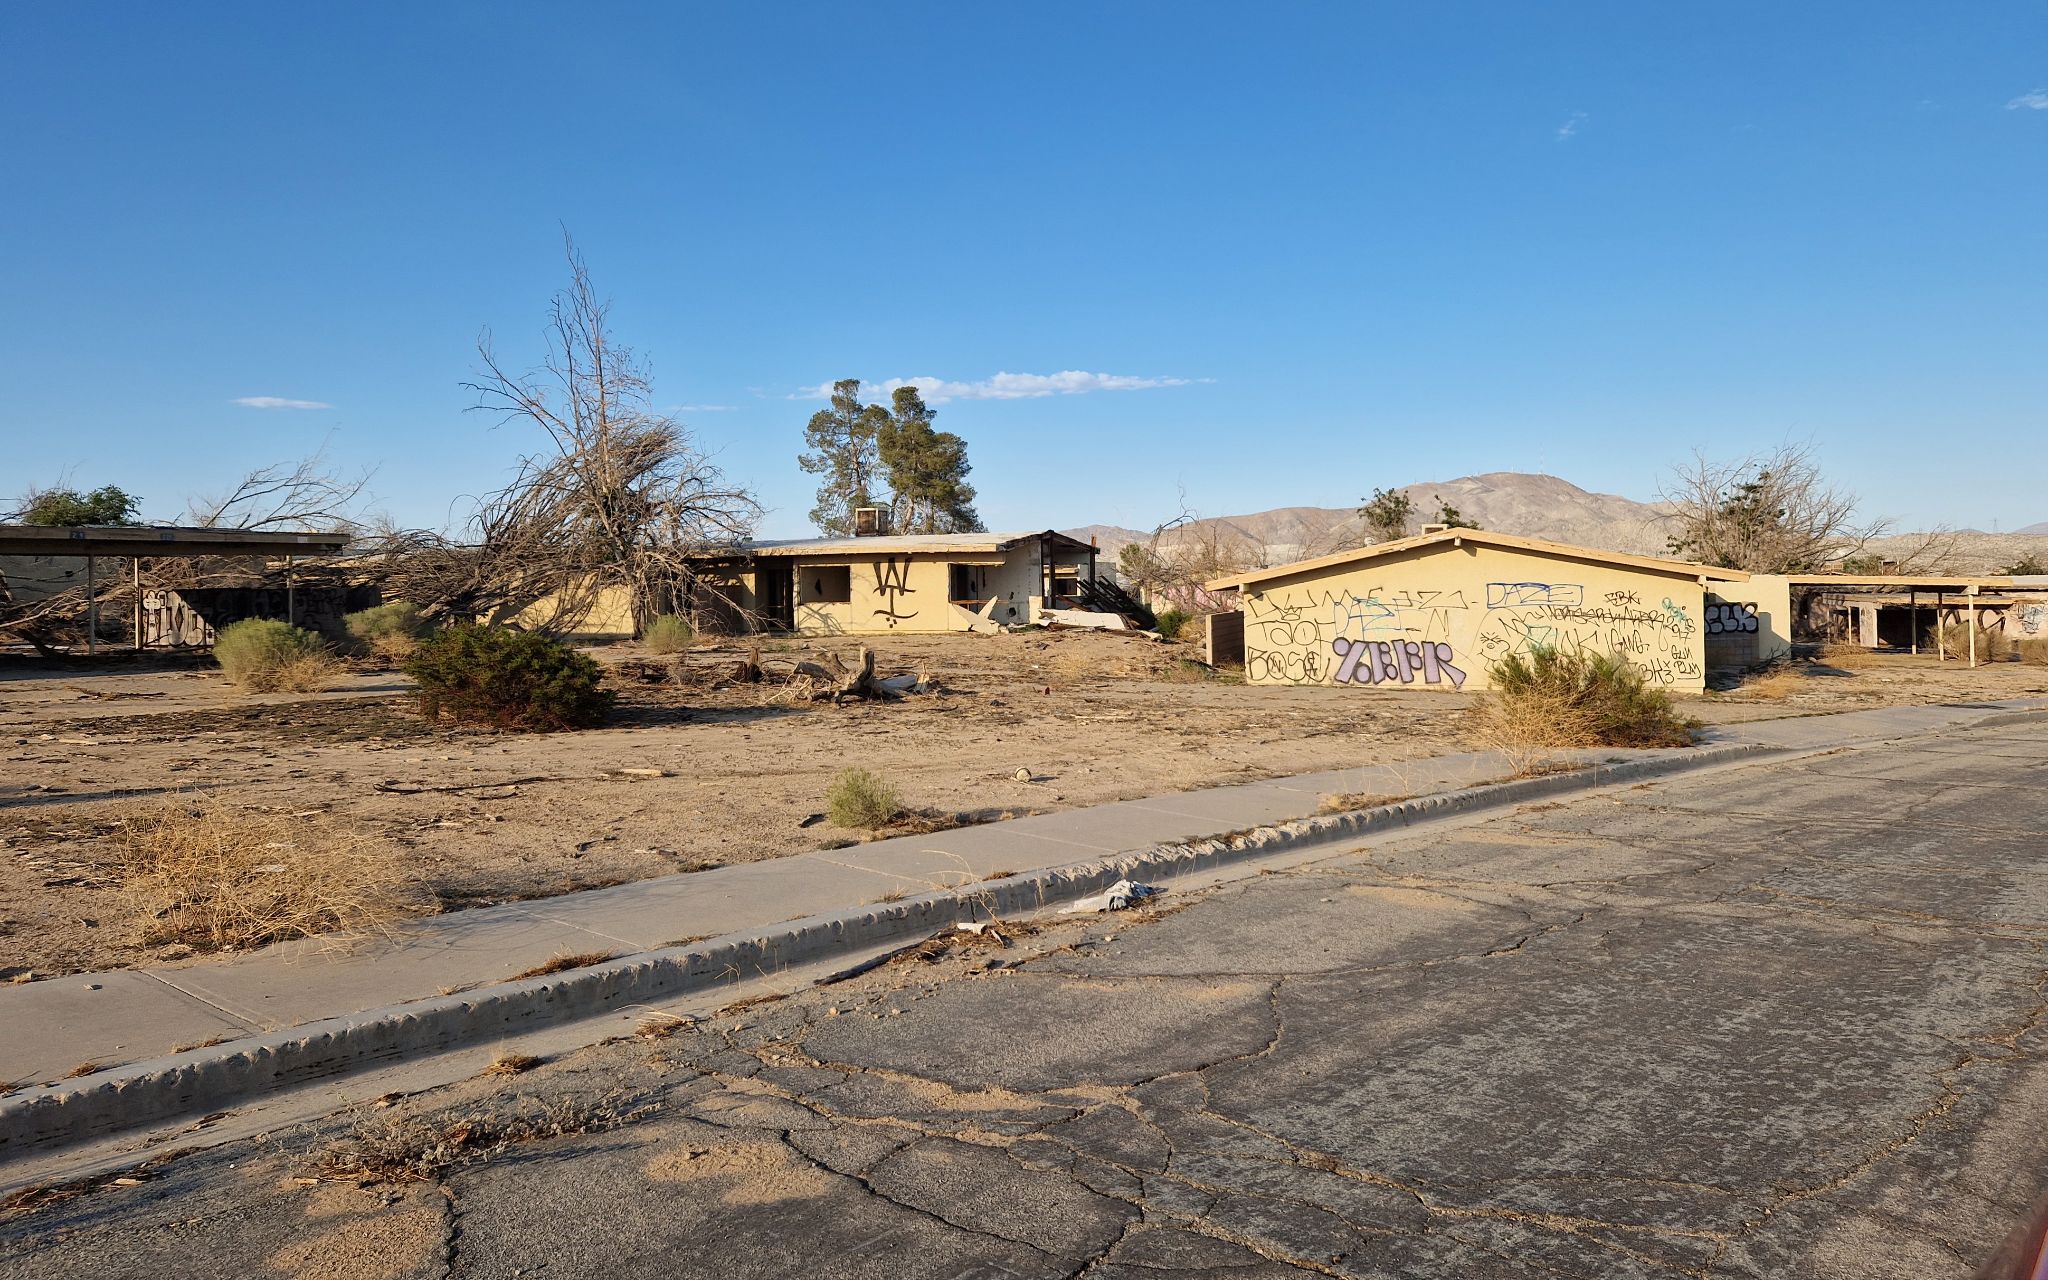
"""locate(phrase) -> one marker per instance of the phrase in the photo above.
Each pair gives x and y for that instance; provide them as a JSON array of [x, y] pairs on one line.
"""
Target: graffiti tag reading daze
[[1320, 636]]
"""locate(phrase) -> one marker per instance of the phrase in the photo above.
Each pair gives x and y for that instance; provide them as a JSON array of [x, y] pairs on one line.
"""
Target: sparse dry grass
[[1848, 655], [215, 877], [199, 1044], [660, 1026], [307, 673], [512, 1064], [423, 1148], [1777, 683], [1954, 637], [562, 964], [1345, 802]]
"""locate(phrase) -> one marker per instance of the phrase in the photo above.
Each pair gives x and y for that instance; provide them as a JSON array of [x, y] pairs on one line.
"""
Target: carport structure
[[1866, 595], [136, 543]]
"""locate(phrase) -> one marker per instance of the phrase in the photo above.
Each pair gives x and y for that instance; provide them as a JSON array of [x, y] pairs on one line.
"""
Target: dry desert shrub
[[1955, 640], [1778, 682], [265, 656], [391, 631], [2034, 652], [216, 877], [1847, 655], [667, 634], [861, 801], [1552, 699]]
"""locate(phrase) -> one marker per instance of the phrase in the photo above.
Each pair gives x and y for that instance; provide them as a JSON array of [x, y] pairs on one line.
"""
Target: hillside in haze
[[1508, 501], [1534, 506]]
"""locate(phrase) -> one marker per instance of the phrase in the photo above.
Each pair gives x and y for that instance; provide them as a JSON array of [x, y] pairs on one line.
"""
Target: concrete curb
[[211, 1079]]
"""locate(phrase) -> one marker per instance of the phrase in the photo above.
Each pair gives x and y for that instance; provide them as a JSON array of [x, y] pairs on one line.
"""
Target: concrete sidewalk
[[130, 1015]]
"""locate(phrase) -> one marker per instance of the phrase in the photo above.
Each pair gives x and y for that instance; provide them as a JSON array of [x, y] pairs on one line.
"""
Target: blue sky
[[1308, 249]]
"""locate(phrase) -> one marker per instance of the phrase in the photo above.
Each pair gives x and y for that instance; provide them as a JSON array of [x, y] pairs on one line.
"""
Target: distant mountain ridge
[[1533, 506]]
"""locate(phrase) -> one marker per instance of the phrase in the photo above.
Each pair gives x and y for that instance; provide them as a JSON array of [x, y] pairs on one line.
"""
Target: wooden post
[[92, 607], [1940, 649], [1972, 602], [135, 574], [1913, 618], [291, 604]]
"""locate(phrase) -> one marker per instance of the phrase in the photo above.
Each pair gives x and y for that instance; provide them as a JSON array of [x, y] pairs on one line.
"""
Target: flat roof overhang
[[155, 541], [1911, 582]]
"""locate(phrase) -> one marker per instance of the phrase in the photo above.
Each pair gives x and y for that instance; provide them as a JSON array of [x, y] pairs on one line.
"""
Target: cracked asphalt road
[[1784, 1021]]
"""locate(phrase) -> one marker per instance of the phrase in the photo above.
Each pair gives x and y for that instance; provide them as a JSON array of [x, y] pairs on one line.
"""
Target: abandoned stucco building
[[122, 570], [1901, 611], [1438, 610], [900, 582]]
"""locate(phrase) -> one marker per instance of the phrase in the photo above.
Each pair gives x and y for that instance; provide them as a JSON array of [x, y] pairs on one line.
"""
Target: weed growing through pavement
[[562, 964], [424, 1148]]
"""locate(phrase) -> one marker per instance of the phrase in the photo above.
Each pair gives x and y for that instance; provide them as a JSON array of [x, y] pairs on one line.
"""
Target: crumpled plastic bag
[[1115, 898]]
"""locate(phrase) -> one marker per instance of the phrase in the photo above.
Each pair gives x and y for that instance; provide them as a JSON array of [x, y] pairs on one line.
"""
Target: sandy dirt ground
[[484, 817]]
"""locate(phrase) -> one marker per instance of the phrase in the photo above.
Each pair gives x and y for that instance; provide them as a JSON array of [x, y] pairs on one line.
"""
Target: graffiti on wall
[[1291, 637], [1385, 661], [1730, 619], [892, 583], [1533, 595], [1379, 637], [2033, 619], [1523, 617]]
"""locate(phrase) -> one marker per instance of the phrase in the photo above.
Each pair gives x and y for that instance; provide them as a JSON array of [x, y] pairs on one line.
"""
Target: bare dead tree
[[307, 496], [1770, 512], [622, 497], [1184, 553]]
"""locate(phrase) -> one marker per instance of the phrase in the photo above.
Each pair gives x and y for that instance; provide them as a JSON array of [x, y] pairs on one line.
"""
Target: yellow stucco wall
[[910, 592], [1437, 617], [610, 616], [1758, 611]]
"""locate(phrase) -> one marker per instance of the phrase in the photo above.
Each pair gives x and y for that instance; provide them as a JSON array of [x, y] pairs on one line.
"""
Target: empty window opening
[[967, 584], [828, 584]]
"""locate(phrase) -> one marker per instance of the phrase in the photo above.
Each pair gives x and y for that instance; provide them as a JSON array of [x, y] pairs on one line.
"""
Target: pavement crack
[[451, 1231]]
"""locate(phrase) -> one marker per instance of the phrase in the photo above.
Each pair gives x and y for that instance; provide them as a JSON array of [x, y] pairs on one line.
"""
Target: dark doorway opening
[[778, 596]]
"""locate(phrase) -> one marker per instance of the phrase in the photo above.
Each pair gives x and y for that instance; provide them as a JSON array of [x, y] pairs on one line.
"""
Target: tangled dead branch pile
[[827, 679]]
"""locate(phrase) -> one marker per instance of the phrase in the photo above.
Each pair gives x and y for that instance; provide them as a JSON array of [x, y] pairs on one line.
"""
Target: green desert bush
[[265, 656], [667, 634], [1171, 621], [861, 801], [509, 679], [1556, 699], [391, 630]]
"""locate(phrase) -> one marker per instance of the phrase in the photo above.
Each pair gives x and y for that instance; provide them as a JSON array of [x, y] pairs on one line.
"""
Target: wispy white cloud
[[1567, 130], [1011, 386], [279, 402], [700, 408], [2035, 101]]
